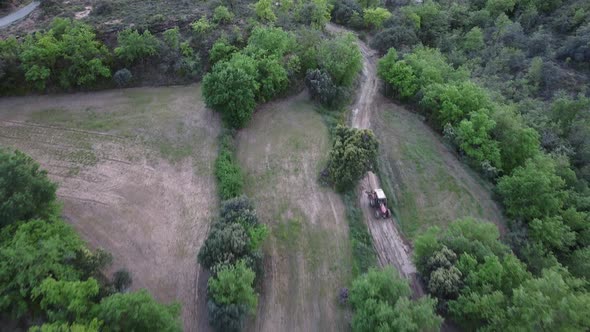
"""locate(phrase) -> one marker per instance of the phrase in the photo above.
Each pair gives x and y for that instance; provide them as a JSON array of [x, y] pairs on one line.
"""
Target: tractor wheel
[[388, 214], [377, 214], [371, 202]]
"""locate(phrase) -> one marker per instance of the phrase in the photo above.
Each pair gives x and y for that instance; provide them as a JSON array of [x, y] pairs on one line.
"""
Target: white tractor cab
[[378, 201]]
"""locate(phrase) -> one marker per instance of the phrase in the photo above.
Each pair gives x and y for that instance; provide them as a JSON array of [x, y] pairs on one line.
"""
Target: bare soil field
[[135, 175], [308, 251]]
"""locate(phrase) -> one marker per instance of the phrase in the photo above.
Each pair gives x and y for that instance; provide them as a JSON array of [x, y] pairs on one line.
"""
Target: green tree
[[497, 7], [137, 311], [263, 9], [517, 141], [68, 54], [226, 244], [25, 191], [272, 78], [533, 190], [66, 301], [231, 88], [321, 88], [473, 40], [398, 74], [354, 152], [133, 46], [473, 136], [221, 50], [552, 233], [270, 41], [30, 253], [233, 284], [341, 58], [93, 326], [374, 17], [380, 300]]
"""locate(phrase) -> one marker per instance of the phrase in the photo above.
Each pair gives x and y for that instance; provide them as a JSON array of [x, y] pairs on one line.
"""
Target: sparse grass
[[422, 177], [281, 152], [148, 116]]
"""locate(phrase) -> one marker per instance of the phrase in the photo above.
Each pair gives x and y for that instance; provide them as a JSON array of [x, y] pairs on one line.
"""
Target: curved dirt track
[[390, 246]]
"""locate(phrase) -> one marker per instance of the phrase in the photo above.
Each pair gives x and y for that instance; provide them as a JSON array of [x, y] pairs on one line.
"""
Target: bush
[[222, 15], [122, 280], [122, 77], [345, 10], [320, 87], [354, 152], [228, 172], [226, 317], [202, 26]]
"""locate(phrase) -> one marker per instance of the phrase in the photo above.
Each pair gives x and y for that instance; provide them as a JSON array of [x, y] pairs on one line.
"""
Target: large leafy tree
[[137, 311], [25, 190], [231, 88], [341, 58], [473, 136], [398, 74], [226, 244], [36, 250], [380, 300], [354, 152], [533, 190], [67, 301]]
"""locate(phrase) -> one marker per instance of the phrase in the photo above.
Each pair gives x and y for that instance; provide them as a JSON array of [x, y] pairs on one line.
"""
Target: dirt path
[[391, 247], [126, 181]]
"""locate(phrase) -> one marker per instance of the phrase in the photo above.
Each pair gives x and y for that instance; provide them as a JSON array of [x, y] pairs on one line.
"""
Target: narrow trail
[[389, 244]]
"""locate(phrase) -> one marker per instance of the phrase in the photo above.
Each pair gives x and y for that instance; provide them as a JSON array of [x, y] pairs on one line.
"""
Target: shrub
[[264, 11], [122, 77], [226, 317], [228, 174], [122, 280], [222, 15], [221, 50], [202, 26]]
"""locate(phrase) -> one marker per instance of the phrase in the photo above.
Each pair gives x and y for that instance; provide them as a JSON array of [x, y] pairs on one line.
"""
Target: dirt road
[[391, 247], [19, 14]]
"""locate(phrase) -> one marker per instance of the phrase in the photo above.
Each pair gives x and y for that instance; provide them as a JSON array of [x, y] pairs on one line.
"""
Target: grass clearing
[[309, 256], [427, 182]]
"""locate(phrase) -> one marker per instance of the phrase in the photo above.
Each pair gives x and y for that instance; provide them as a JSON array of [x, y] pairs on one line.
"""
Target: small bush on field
[[122, 77], [202, 26]]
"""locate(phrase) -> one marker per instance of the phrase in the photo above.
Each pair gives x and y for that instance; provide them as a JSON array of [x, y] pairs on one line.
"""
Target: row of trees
[[271, 61], [49, 277], [482, 285], [69, 56], [501, 143]]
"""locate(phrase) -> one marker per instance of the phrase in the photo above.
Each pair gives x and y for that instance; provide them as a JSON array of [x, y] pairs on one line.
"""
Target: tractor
[[378, 201]]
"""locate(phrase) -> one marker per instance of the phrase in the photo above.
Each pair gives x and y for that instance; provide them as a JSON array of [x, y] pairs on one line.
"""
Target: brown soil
[[117, 189], [308, 251]]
